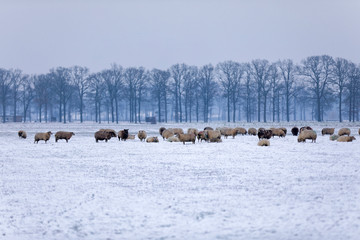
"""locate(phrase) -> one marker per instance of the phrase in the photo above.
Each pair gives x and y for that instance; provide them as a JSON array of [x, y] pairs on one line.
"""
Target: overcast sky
[[37, 35]]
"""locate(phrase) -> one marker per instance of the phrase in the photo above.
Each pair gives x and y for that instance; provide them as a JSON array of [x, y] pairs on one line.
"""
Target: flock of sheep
[[207, 135]]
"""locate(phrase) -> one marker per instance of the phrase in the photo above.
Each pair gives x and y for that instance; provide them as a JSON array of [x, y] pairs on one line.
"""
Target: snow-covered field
[[138, 190]]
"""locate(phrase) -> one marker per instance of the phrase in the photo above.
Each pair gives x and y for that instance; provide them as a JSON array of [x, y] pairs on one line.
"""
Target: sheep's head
[[49, 132], [72, 133]]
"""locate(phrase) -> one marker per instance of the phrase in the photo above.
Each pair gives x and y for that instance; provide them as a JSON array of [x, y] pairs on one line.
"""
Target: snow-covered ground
[[138, 190]]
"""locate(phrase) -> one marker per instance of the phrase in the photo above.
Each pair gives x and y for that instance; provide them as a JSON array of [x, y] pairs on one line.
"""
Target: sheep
[[277, 132], [327, 131], [63, 135], [176, 130], [131, 137], [173, 139], [263, 143], [166, 134], [213, 135], [307, 134], [222, 130], [241, 130], [344, 131], [333, 137], [186, 137], [161, 130], [208, 128], [123, 134], [42, 136], [142, 135], [305, 128], [229, 132], [346, 139], [22, 134], [110, 131], [201, 136], [193, 130], [152, 139], [262, 133], [252, 131], [102, 135], [295, 131], [284, 130]]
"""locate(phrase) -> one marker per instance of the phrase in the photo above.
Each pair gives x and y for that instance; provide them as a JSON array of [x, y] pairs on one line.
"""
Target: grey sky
[[38, 35]]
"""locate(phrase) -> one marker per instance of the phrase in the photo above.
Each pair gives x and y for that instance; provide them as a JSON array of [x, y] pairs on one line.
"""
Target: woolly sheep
[[110, 131], [252, 131], [152, 139], [295, 131], [167, 133], [176, 130], [142, 135], [123, 134], [333, 137], [284, 130], [262, 133], [131, 137], [346, 139], [264, 142], [344, 131], [42, 136], [193, 130], [161, 130], [212, 135], [201, 136], [307, 134], [305, 128], [102, 135], [63, 135], [277, 132], [22, 134], [208, 128], [241, 130], [173, 139], [186, 137], [229, 132], [327, 131], [222, 130]]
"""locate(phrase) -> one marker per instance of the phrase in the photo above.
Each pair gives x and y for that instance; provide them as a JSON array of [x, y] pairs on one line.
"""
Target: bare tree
[[5, 85], [27, 93], [16, 78], [207, 88], [159, 86], [317, 69], [178, 72], [275, 84], [353, 87], [189, 91], [80, 80], [42, 88], [113, 78], [341, 79], [97, 92]]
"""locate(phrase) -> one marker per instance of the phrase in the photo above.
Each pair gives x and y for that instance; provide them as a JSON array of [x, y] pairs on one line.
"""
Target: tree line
[[230, 91]]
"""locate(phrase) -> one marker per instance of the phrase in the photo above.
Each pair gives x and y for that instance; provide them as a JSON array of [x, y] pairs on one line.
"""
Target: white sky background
[[37, 35]]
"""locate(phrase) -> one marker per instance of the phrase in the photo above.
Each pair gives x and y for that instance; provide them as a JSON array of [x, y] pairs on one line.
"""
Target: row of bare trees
[[231, 91]]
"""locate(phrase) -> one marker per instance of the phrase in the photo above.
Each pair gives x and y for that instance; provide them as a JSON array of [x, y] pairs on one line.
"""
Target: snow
[[137, 190]]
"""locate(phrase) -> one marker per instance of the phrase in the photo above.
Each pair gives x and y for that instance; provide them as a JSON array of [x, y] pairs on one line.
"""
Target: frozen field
[[137, 190]]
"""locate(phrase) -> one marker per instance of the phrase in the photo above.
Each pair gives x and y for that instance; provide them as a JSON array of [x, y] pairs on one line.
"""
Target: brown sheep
[[152, 139], [110, 131], [193, 130], [295, 131], [123, 134], [22, 134], [186, 137], [229, 132], [42, 136], [327, 131], [173, 139], [252, 131], [333, 137], [305, 128], [176, 130], [131, 137], [212, 135], [307, 134], [167, 133], [102, 135], [222, 130], [346, 139], [201, 136], [142, 135], [264, 142], [208, 128], [63, 135], [161, 130], [284, 130], [262, 133], [277, 132], [241, 130], [344, 131]]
